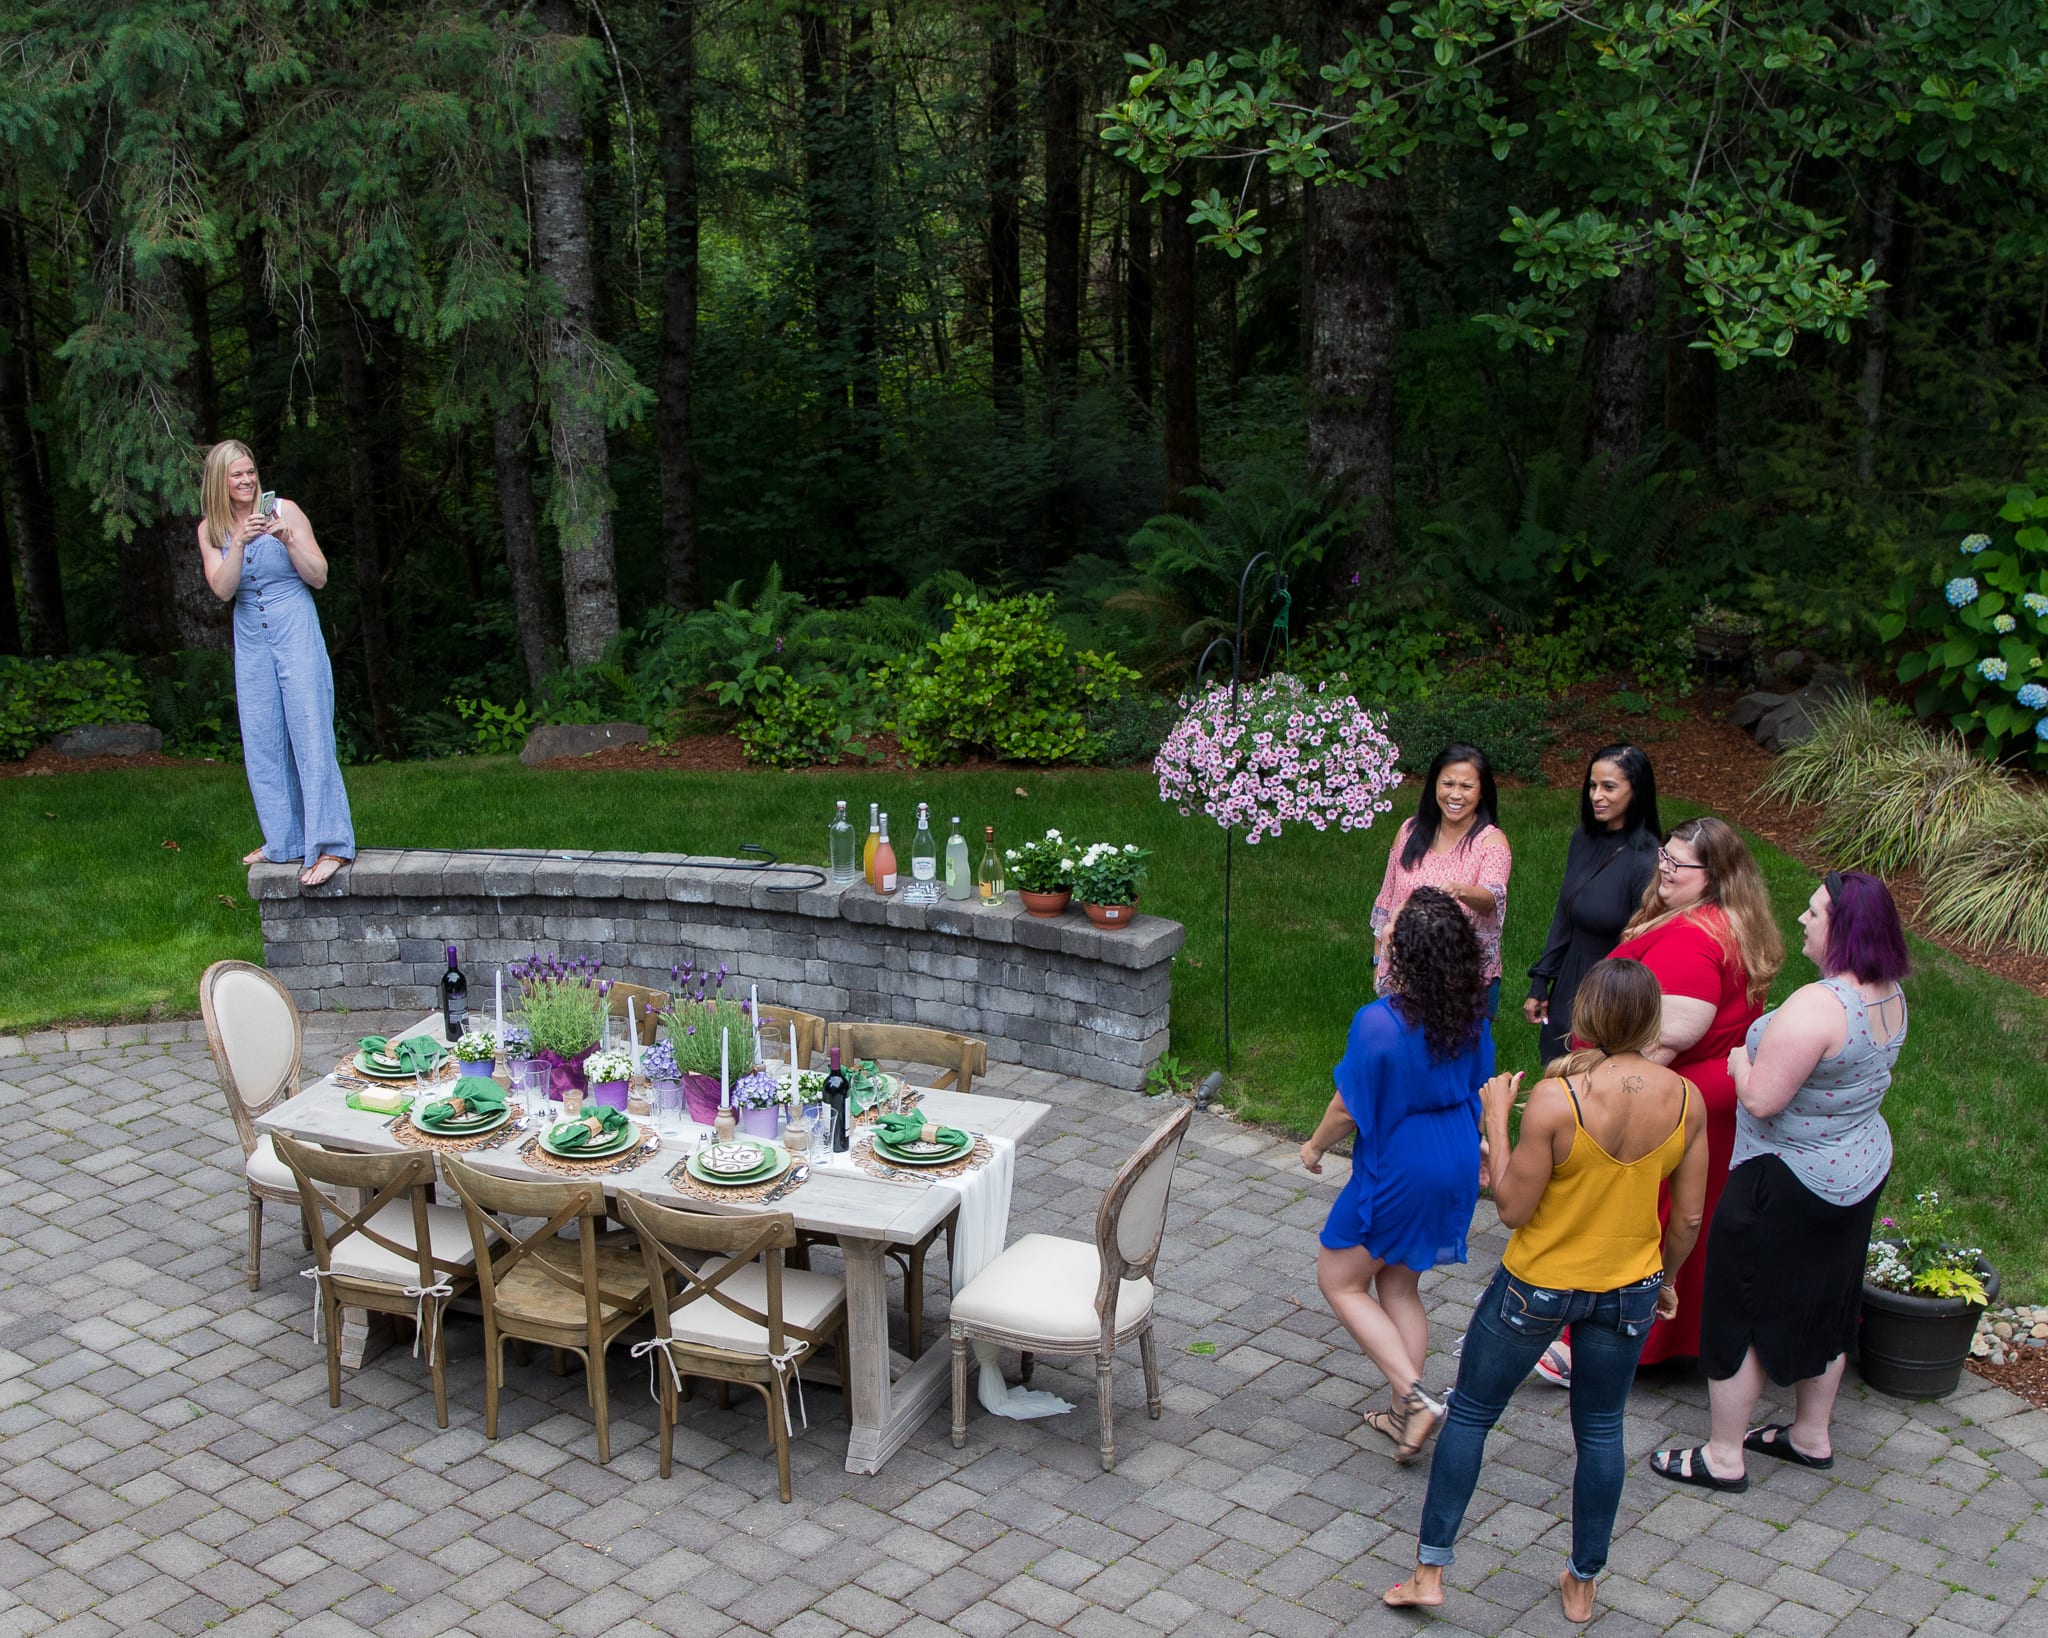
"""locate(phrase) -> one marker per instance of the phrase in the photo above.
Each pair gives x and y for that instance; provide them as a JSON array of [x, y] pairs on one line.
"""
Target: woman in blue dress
[[1408, 1088], [266, 561]]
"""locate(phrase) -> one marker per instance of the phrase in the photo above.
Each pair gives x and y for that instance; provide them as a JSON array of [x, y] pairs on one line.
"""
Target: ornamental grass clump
[[1995, 889], [1853, 735], [1913, 805], [563, 1003], [1918, 1254], [698, 1014], [1285, 754]]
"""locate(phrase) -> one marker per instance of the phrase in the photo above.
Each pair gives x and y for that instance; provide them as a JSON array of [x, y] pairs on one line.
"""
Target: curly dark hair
[[1439, 972]]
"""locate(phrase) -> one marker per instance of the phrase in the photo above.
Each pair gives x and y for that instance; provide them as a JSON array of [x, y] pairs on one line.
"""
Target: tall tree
[[519, 519], [367, 401], [1060, 111], [676, 381], [1138, 292], [24, 458], [1179, 363], [1617, 366], [1005, 220], [573, 361]]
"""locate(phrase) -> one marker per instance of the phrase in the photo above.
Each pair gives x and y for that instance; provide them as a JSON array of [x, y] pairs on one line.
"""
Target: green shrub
[[785, 723], [1385, 663], [1512, 732], [495, 730], [192, 701], [42, 698], [1000, 682], [1130, 728], [1980, 647]]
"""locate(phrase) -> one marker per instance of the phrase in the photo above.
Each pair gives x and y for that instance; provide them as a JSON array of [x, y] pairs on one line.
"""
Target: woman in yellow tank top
[[1580, 1193]]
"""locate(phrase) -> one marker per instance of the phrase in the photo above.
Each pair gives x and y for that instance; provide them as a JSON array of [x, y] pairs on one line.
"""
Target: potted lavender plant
[[564, 1006], [698, 1014]]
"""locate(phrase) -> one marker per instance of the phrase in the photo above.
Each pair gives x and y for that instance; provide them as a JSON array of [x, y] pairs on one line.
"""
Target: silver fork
[[795, 1177]]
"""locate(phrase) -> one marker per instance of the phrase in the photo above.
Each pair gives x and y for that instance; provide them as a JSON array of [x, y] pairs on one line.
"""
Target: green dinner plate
[[631, 1136], [779, 1161], [366, 1068], [458, 1128], [889, 1152]]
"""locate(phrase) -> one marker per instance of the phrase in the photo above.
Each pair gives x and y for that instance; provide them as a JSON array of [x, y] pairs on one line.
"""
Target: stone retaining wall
[[1059, 995]]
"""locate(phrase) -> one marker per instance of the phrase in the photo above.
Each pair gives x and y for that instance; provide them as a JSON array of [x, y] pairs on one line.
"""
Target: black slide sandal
[[1665, 1464], [1775, 1439]]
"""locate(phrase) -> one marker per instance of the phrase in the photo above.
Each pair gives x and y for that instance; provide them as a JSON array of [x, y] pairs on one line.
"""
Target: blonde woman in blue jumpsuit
[[269, 567]]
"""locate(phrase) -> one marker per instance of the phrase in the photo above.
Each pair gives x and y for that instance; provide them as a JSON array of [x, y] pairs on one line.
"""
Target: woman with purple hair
[[1786, 1251]]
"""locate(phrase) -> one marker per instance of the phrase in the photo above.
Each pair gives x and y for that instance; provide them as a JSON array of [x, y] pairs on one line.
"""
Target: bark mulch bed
[[42, 762], [2026, 1376]]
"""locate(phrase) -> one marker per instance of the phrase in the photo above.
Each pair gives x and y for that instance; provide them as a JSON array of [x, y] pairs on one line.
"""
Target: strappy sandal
[[1419, 1421], [321, 870], [1689, 1466], [1386, 1423], [1775, 1439]]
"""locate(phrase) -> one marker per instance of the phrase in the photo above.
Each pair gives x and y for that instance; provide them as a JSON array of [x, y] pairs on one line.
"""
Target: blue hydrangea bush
[[1979, 650]]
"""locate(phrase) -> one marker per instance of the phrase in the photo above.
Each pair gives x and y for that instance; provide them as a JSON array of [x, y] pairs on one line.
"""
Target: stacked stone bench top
[[1060, 995]]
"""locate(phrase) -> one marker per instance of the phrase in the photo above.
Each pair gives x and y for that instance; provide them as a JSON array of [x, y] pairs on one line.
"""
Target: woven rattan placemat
[[873, 1164], [679, 1176]]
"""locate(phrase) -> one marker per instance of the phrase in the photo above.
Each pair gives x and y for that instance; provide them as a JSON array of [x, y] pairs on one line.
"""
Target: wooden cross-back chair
[[574, 1296], [398, 1253], [958, 1058], [738, 1316], [256, 1035], [810, 1033], [1048, 1295], [643, 998]]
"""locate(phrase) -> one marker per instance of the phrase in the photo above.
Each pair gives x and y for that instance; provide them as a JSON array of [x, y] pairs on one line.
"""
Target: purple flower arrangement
[[1288, 754]]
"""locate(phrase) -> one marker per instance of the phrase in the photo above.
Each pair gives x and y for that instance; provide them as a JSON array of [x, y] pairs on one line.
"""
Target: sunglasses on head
[[1832, 881]]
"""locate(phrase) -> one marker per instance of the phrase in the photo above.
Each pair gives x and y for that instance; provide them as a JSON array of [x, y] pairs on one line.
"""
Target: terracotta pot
[[760, 1123], [1111, 915], [478, 1067], [611, 1094], [1046, 904], [700, 1094], [565, 1075]]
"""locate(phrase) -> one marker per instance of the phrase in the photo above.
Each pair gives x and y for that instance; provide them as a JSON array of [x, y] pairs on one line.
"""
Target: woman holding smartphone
[[260, 554]]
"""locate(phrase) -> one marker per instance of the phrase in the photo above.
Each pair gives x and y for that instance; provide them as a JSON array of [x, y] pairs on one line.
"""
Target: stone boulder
[[1751, 709], [556, 739], [1785, 725], [108, 739]]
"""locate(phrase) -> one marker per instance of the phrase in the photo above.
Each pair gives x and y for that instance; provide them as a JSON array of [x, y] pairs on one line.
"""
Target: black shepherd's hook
[[1235, 644], [817, 876]]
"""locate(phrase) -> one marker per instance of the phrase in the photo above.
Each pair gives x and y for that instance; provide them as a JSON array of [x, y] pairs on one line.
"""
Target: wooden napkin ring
[[928, 1133]]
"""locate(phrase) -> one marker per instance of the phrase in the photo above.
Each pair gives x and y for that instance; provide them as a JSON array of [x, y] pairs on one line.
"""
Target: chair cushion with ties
[[1044, 1286], [808, 1300]]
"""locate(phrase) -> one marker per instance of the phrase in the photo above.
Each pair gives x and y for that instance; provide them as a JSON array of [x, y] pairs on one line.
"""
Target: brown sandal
[[254, 857], [1419, 1419], [321, 870]]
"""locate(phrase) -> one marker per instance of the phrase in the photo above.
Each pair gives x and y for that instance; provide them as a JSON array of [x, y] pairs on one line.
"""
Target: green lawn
[[100, 921]]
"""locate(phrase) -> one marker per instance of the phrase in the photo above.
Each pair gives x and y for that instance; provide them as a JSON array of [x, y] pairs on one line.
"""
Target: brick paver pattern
[[169, 1463]]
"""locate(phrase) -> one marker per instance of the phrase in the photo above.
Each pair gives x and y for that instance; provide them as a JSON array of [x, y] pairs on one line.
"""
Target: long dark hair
[[1634, 764], [1429, 813], [1439, 972]]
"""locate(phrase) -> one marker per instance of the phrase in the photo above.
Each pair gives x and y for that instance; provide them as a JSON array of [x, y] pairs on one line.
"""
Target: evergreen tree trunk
[[1692, 386], [1005, 225], [24, 462], [1876, 325], [1178, 381], [676, 382], [266, 389], [1138, 293], [818, 66], [204, 621], [582, 503], [149, 568], [857, 159], [1060, 107], [1618, 365], [10, 610], [520, 521], [360, 406], [1354, 289]]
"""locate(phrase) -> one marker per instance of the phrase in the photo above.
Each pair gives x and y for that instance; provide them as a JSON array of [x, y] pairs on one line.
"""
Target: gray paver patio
[[169, 1463]]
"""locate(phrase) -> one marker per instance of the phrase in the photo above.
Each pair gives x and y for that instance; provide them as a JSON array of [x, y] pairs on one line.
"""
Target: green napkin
[[868, 1086], [416, 1054], [477, 1096], [903, 1130], [578, 1136]]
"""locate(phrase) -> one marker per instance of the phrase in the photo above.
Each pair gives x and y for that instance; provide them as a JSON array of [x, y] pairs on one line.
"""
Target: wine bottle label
[[987, 890], [924, 869]]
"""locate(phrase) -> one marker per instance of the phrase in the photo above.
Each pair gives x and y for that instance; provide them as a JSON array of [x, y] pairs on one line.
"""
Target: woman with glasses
[[1784, 1266], [1611, 863], [1705, 930]]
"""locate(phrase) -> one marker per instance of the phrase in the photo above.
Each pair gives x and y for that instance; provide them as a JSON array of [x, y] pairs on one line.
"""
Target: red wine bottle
[[454, 999], [838, 1099]]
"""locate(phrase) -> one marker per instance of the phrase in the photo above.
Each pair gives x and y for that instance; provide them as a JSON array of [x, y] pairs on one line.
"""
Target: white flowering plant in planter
[[477, 1046], [1044, 865], [1107, 873], [607, 1064], [1917, 1255]]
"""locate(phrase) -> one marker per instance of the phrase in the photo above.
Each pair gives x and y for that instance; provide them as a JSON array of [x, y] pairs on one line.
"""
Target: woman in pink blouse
[[1455, 843]]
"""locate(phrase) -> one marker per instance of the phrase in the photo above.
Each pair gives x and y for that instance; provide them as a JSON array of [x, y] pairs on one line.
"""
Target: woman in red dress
[[1705, 930]]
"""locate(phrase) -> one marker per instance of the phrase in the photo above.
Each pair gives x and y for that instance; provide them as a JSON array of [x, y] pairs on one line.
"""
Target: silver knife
[[786, 1185]]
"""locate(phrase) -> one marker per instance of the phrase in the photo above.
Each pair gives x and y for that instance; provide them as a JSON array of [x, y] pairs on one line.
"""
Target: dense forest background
[[562, 319]]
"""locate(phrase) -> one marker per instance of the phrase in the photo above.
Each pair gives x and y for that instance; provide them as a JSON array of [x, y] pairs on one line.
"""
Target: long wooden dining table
[[888, 1394]]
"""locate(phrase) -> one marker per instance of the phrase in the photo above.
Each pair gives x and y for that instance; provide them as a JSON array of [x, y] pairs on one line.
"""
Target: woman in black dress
[[1612, 860]]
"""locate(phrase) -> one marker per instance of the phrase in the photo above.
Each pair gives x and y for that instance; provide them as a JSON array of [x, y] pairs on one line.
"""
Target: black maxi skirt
[[1784, 1274]]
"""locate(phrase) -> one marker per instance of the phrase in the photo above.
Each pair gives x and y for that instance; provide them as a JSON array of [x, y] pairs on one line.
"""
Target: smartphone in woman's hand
[[266, 504]]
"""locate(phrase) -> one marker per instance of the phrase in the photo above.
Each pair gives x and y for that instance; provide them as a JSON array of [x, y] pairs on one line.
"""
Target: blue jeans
[[1512, 1325]]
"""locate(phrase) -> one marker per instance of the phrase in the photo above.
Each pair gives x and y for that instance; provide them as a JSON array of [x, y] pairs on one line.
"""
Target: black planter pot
[[1913, 1347]]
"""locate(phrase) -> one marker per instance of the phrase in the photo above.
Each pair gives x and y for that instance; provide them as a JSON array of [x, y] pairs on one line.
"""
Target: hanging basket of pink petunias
[[1287, 753]]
